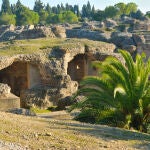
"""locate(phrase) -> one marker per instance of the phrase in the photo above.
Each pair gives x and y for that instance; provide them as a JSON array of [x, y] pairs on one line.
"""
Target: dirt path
[[57, 131]]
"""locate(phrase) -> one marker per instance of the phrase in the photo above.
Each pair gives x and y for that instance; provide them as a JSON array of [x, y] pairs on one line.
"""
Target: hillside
[[58, 131]]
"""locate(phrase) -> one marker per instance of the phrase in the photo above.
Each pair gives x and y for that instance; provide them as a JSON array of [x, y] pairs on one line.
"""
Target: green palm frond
[[121, 95]]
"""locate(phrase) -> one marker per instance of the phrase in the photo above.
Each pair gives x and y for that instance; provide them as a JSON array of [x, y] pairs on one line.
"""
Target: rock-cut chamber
[[20, 76]]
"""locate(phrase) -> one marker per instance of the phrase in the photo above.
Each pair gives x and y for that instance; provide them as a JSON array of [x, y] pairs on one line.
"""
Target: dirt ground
[[57, 131]]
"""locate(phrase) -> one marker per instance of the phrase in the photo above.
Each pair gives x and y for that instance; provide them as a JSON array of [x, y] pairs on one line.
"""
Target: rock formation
[[42, 79]]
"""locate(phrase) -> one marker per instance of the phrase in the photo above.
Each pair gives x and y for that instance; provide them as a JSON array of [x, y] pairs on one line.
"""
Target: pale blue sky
[[143, 5]]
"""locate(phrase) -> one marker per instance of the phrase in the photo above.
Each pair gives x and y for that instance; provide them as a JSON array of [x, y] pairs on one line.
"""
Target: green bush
[[7, 19]]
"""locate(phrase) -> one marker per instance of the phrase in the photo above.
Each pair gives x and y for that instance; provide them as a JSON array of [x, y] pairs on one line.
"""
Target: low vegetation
[[60, 132], [119, 96], [44, 44]]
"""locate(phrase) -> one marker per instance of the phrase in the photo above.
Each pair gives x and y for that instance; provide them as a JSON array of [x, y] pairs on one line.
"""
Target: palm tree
[[120, 96]]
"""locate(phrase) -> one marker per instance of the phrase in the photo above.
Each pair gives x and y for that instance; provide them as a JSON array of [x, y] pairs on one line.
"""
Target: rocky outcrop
[[109, 23], [4, 89], [11, 32], [127, 41], [92, 35], [55, 83], [36, 33], [59, 31]]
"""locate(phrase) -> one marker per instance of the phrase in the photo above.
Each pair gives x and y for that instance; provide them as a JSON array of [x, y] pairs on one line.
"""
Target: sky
[[143, 5]]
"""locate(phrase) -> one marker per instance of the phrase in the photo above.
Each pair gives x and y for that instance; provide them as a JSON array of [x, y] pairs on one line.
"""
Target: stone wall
[[9, 103], [92, 35]]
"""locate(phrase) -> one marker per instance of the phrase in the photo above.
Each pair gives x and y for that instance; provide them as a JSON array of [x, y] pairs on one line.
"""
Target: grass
[[39, 111], [41, 45], [38, 133]]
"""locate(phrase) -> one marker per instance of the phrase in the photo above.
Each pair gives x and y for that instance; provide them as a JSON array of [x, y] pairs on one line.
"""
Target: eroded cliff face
[[42, 79]]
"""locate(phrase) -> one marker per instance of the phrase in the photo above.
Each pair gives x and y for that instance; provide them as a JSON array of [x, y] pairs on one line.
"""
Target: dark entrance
[[15, 76]]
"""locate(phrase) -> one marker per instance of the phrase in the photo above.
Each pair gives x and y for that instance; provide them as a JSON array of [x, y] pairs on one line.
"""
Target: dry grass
[[38, 45], [58, 131]]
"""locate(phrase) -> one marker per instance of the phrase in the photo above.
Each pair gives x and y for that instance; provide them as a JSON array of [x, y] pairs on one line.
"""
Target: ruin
[[52, 72], [80, 67], [43, 78], [20, 76]]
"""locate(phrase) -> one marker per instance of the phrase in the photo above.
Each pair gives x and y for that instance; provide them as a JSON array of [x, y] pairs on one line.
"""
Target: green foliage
[[99, 15], [110, 12], [25, 16], [148, 14], [120, 96], [38, 6], [87, 10], [43, 16], [5, 7], [126, 9], [7, 19], [66, 16]]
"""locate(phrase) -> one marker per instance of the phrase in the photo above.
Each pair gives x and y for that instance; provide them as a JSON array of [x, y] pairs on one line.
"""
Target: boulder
[[121, 38], [89, 26], [128, 20], [109, 23], [130, 48], [102, 25], [8, 35], [36, 33], [22, 111], [59, 31], [138, 39], [4, 89], [92, 35], [62, 103], [7, 99]]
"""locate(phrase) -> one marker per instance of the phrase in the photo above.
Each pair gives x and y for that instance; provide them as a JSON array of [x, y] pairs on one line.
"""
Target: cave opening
[[80, 67], [20, 76]]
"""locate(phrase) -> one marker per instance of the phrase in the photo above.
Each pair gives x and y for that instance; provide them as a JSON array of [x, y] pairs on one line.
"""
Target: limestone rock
[[4, 89], [88, 26], [128, 20], [92, 35], [35, 33], [139, 39], [59, 31], [109, 23], [121, 38], [130, 48], [21, 111]]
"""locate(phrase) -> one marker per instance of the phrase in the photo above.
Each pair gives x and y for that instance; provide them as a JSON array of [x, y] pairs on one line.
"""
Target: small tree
[[120, 96], [7, 19], [6, 7], [25, 16]]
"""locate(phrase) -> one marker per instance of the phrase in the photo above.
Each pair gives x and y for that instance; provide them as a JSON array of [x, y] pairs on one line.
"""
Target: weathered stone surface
[[92, 35], [138, 39], [128, 20], [4, 89], [59, 31], [8, 35], [119, 37], [109, 23], [9, 102], [35, 33], [130, 48], [88, 26], [21, 111], [54, 81]]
